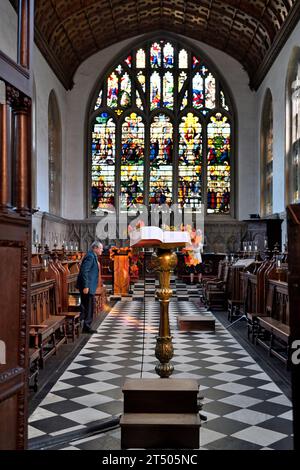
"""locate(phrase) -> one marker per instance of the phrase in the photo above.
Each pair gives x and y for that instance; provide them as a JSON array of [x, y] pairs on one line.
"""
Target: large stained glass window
[[161, 131]]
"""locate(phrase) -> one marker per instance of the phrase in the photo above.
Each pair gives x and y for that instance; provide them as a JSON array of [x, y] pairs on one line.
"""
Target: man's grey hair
[[96, 244]]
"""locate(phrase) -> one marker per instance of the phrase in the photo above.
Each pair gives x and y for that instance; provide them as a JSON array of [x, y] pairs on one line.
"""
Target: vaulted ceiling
[[252, 31]]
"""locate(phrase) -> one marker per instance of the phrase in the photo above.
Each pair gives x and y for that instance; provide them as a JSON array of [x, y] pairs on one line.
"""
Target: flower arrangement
[[137, 226]]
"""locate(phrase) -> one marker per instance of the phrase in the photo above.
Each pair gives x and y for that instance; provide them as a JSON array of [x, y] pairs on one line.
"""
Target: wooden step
[[160, 430], [160, 395], [196, 322]]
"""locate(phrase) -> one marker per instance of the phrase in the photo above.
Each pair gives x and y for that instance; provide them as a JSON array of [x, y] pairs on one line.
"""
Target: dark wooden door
[[15, 233]]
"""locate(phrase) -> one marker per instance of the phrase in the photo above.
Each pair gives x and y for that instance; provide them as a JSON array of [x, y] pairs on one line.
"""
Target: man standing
[[87, 283]]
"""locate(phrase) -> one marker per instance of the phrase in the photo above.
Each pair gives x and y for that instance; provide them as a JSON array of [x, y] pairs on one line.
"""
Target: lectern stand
[[161, 414], [164, 262]]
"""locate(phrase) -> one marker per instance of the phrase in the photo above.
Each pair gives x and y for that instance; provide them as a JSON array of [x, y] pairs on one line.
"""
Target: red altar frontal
[[120, 258]]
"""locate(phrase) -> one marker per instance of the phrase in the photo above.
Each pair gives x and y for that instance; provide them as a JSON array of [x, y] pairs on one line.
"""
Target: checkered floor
[[181, 291], [244, 408]]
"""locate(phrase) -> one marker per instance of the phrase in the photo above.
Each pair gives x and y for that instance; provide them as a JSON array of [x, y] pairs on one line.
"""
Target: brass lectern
[[164, 262]]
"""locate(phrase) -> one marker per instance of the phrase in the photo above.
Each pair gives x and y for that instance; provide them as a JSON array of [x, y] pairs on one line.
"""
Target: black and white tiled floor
[[181, 291], [245, 409]]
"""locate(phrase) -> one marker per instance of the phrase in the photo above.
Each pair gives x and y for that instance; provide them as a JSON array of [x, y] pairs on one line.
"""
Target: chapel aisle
[[245, 409]]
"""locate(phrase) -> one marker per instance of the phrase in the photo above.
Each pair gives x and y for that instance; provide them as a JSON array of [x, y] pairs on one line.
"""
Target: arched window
[[293, 128], [54, 155], [161, 128], [267, 155]]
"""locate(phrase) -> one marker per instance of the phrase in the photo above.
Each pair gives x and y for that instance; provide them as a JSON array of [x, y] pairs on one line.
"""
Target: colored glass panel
[[125, 92], [155, 90], [190, 162], [195, 61], [142, 79], [183, 59], [223, 101], [161, 160], [139, 102], [132, 160], [181, 79], [140, 59], [210, 91], [168, 87], [218, 164], [112, 90], [184, 101], [128, 60], [198, 98], [99, 101], [155, 55], [103, 162], [168, 55]]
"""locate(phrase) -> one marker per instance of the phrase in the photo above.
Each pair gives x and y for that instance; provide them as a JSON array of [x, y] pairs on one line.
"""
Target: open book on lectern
[[155, 236]]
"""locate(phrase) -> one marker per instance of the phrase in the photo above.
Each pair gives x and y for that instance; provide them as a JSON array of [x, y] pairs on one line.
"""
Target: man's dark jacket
[[89, 273]]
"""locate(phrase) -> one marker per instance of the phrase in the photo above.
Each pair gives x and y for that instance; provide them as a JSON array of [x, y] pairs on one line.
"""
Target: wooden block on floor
[[196, 322], [160, 430], [160, 395]]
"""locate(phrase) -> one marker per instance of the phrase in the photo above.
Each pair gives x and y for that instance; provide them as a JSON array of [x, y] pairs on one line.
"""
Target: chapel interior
[[180, 115]]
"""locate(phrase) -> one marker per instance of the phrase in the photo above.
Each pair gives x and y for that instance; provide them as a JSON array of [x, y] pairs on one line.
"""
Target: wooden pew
[[47, 328], [215, 292], [273, 331]]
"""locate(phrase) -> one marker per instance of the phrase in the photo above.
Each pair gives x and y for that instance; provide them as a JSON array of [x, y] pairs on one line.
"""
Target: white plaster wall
[[91, 70], [46, 81], [8, 30], [275, 80]]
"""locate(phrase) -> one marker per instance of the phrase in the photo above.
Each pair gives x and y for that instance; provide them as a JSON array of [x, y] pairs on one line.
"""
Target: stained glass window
[[112, 90], [267, 155], [198, 93], [163, 120], [190, 161], [161, 160], [168, 86], [168, 55], [292, 163], [99, 100], [183, 59], [181, 80], [155, 90], [132, 160], [155, 55], [295, 186], [140, 59], [210, 91], [218, 164], [125, 93], [103, 162]]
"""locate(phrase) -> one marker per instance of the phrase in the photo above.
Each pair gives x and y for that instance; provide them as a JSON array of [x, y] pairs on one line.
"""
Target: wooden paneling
[[15, 233], [252, 32]]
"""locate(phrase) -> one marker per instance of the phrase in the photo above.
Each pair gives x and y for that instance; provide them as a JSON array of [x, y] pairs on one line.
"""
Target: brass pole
[[164, 262]]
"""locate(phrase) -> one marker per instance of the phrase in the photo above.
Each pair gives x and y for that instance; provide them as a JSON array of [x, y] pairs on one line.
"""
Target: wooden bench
[[273, 331], [47, 328], [34, 359]]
